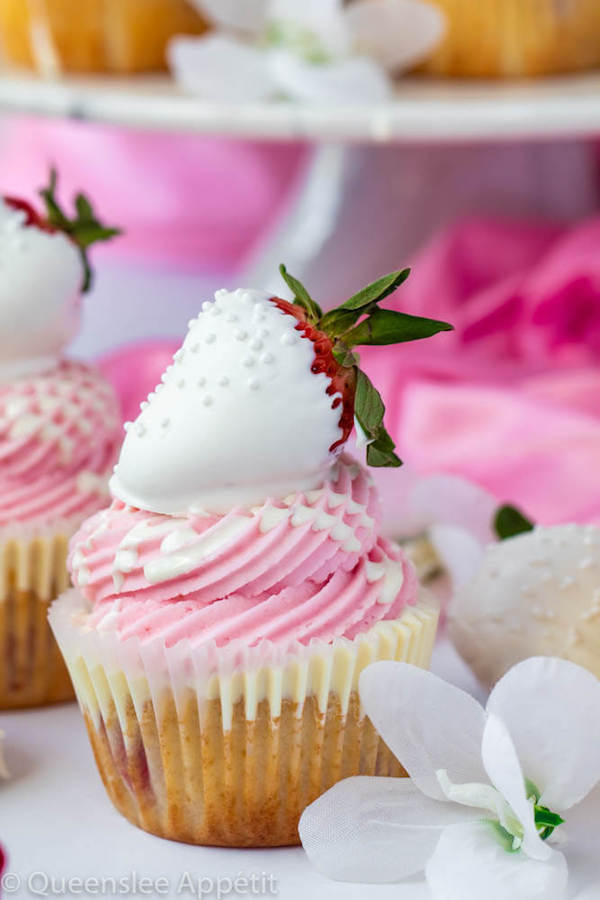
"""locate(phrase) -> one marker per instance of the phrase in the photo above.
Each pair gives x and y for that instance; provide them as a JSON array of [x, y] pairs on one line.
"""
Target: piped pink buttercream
[[59, 436], [309, 566]]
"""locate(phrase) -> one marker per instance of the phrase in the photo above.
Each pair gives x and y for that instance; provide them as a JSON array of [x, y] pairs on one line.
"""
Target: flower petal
[[374, 830], [470, 863], [451, 500], [552, 709], [249, 16], [459, 550], [504, 769], [352, 81], [221, 68], [397, 33], [323, 18], [426, 722]]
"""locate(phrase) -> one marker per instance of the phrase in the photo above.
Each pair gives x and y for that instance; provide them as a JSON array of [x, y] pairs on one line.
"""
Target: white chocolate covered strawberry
[[275, 389], [44, 269]]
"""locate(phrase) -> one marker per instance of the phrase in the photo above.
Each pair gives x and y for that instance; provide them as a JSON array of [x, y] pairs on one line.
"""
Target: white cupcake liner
[[33, 572], [267, 671], [33, 556], [229, 745]]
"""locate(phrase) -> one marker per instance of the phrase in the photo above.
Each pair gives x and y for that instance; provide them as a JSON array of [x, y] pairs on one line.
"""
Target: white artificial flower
[[315, 50], [456, 515], [486, 789]]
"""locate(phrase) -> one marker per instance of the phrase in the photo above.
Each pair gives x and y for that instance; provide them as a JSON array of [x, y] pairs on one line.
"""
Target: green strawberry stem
[[84, 229], [361, 322], [510, 522]]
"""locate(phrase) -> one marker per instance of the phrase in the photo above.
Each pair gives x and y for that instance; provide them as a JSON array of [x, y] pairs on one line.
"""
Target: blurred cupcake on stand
[[120, 36], [59, 433]]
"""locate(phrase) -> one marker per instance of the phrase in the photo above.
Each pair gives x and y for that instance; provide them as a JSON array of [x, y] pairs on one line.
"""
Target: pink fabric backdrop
[[194, 202], [511, 399]]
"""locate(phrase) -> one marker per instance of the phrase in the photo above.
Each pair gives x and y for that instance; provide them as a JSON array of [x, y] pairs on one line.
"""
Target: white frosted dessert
[[537, 594]]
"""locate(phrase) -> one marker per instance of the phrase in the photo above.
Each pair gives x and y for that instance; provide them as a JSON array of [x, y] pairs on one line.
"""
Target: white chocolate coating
[[40, 280], [537, 594], [238, 417]]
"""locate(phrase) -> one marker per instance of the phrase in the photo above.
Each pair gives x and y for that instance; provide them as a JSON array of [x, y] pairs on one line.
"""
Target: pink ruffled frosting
[[59, 436], [310, 566]]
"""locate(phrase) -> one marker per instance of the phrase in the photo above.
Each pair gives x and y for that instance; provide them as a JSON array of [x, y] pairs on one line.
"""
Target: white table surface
[[55, 819], [423, 109]]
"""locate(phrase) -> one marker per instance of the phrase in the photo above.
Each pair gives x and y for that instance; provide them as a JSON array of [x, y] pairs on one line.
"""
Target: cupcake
[[516, 38], [226, 602], [59, 435], [103, 36]]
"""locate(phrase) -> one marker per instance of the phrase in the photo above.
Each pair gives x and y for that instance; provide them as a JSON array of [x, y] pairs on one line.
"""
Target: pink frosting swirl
[[310, 566], [59, 437]]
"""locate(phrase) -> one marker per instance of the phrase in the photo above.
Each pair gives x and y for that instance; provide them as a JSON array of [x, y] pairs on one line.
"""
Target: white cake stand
[[423, 110]]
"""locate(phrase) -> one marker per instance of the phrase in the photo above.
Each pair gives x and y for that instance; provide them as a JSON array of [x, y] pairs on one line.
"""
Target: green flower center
[[302, 41], [546, 822]]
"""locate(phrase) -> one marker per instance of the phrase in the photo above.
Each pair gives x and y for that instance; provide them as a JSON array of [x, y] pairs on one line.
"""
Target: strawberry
[[83, 230], [32, 217], [358, 321]]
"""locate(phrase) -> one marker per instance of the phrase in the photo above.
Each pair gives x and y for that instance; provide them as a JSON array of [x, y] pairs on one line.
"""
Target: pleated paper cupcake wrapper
[[512, 38], [32, 573], [227, 746], [105, 35]]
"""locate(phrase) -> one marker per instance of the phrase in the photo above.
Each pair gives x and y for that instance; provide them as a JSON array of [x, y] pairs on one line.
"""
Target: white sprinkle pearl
[[210, 338], [165, 423], [264, 332], [220, 293], [224, 381], [181, 383], [206, 306], [127, 426], [201, 382], [248, 361], [253, 384], [287, 339], [231, 317], [207, 400], [143, 404], [140, 430], [195, 347], [256, 344], [241, 335], [267, 358]]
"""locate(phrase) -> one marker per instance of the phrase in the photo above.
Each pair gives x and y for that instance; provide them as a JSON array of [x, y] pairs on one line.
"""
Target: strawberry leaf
[[377, 291], [337, 321], [381, 454], [510, 521], [301, 296], [384, 326], [369, 410], [84, 229]]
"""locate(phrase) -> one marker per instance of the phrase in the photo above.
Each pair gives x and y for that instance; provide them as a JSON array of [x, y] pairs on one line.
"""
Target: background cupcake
[[229, 598], [103, 35], [514, 38], [59, 434]]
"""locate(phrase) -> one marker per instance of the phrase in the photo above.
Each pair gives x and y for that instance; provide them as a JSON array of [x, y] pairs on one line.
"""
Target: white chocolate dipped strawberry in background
[[59, 419], [536, 593], [43, 272]]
